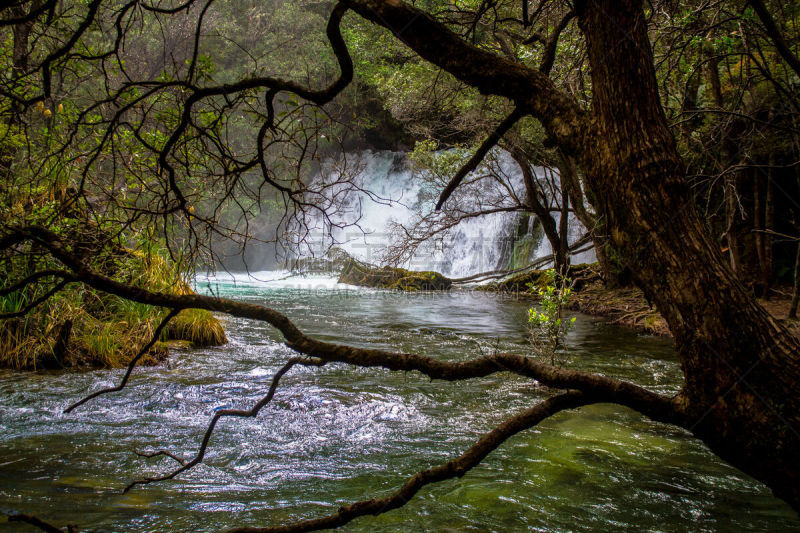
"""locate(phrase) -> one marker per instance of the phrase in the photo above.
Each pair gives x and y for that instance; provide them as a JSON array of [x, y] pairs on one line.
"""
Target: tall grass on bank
[[79, 326]]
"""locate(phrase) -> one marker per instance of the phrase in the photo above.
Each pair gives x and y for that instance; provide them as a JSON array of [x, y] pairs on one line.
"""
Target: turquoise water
[[337, 434]]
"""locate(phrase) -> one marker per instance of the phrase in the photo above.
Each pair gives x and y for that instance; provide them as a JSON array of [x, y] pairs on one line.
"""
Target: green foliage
[[547, 325], [443, 163], [104, 330]]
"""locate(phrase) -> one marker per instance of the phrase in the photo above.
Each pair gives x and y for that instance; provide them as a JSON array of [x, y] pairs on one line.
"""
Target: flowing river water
[[337, 434]]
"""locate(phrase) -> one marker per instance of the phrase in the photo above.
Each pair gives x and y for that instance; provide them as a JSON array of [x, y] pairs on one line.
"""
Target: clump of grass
[[27, 341], [113, 343], [17, 350], [197, 326]]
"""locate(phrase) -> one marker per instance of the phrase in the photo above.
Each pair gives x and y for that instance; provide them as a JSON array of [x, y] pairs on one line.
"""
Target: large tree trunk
[[742, 371], [741, 368]]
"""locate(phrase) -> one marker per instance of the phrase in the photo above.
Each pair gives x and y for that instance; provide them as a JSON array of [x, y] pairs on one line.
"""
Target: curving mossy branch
[[585, 387]]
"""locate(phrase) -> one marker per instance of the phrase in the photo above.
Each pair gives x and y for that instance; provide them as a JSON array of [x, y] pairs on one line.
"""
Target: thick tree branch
[[604, 388], [489, 73], [454, 468], [479, 154], [36, 10]]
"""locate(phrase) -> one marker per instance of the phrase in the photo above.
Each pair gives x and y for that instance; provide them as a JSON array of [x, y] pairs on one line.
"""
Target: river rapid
[[336, 434]]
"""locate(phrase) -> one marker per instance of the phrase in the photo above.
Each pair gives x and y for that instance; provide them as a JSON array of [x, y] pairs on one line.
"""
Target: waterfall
[[387, 194]]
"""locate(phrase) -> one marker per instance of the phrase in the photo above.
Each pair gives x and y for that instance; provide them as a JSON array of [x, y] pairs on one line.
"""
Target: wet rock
[[364, 275]]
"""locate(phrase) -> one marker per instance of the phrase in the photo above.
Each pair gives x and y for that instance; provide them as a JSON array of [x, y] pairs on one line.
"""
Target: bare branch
[[131, 365], [240, 413], [33, 278], [38, 301], [480, 153]]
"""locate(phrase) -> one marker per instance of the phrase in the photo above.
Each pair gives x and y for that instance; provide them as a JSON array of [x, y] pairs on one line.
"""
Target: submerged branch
[[41, 524]]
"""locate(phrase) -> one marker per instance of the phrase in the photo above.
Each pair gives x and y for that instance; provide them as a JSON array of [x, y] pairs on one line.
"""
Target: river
[[337, 434]]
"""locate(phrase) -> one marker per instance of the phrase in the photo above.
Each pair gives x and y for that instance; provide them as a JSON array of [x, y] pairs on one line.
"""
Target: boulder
[[364, 275]]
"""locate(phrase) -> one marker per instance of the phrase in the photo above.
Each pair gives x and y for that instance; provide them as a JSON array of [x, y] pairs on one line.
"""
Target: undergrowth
[[79, 326]]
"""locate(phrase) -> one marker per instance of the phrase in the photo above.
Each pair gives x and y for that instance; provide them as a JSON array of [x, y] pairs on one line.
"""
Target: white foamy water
[[396, 195], [271, 279]]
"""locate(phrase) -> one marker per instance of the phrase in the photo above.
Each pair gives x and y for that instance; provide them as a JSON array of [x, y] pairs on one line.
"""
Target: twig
[[36, 276], [131, 365], [40, 300], [242, 413]]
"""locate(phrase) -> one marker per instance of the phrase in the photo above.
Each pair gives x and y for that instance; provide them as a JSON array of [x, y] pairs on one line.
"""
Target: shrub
[[547, 326]]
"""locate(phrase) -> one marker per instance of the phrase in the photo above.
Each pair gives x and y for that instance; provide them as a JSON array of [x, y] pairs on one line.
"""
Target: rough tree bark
[[741, 368]]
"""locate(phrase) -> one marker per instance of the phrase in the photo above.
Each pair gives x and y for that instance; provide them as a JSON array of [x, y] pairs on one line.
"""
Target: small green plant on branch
[[547, 326]]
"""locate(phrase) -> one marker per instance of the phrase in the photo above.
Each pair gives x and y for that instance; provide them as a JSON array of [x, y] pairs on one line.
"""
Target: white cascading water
[[475, 245]]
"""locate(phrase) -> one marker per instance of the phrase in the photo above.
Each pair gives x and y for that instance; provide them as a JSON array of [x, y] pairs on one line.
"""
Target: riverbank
[[628, 307], [625, 306]]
